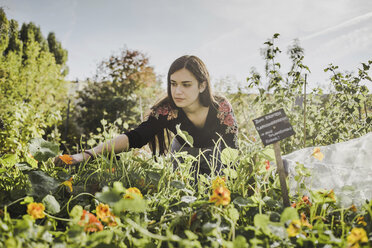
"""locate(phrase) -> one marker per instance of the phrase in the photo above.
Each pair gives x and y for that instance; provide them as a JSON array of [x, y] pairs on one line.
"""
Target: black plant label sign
[[273, 127]]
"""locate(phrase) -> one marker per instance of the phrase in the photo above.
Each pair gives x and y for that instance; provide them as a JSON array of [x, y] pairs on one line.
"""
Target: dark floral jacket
[[220, 123]]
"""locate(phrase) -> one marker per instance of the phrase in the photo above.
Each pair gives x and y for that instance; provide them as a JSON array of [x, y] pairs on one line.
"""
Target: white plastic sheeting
[[346, 168]]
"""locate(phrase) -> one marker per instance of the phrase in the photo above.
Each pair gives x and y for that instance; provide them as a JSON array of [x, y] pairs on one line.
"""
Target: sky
[[226, 34]]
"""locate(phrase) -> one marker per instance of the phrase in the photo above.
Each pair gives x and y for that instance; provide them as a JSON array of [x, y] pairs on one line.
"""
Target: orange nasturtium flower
[[218, 182], [317, 154], [68, 183], [357, 235], [330, 195], [306, 200], [104, 213], [133, 192], [67, 159], [220, 196], [294, 228], [304, 221], [36, 210], [353, 208], [90, 222], [267, 163]]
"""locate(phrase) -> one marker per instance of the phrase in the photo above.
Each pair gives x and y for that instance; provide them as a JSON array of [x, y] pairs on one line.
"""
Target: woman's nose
[[178, 90]]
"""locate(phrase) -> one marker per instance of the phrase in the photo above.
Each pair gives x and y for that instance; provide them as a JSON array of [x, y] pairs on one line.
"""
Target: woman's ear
[[202, 87]]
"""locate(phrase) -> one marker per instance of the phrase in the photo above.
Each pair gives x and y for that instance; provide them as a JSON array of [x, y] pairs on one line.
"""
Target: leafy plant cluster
[[318, 118], [133, 200], [32, 85]]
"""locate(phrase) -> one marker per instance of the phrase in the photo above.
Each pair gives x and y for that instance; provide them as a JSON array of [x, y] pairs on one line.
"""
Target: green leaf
[[230, 173], [102, 237], [240, 242], [31, 162], [134, 205], [43, 150], [154, 176], [268, 153], [8, 160], [177, 184], [76, 212], [190, 235], [110, 197], [23, 166], [41, 183], [261, 221], [185, 135], [118, 188], [289, 214], [27, 200], [229, 155], [51, 204], [208, 227], [233, 214], [188, 199], [270, 202], [242, 202]]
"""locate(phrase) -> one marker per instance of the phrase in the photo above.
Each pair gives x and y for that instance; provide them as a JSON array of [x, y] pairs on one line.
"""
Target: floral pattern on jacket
[[165, 110], [226, 116]]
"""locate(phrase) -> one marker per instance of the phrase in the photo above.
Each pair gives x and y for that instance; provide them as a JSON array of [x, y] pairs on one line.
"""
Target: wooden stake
[[305, 111], [281, 172]]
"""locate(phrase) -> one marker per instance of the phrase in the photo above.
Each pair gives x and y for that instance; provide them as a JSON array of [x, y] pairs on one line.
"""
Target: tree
[[60, 54], [116, 89], [32, 87]]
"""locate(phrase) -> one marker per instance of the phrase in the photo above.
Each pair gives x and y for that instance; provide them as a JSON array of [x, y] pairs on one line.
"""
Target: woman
[[208, 119]]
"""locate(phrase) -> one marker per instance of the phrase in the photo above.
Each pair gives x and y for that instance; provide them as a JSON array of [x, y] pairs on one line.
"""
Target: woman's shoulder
[[164, 109], [222, 104], [225, 114]]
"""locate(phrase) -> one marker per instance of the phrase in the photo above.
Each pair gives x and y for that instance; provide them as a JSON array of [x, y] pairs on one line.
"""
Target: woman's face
[[185, 88]]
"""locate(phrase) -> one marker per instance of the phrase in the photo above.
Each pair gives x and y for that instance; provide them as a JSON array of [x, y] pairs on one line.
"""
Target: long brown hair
[[196, 66]]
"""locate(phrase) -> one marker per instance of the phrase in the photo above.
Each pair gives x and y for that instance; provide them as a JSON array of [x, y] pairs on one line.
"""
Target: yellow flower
[[218, 182], [103, 212], [317, 154], [36, 210], [133, 192], [68, 183], [67, 159], [294, 228], [356, 236], [360, 221], [220, 196]]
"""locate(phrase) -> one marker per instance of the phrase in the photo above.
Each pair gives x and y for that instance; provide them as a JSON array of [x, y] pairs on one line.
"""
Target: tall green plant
[[336, 117], [32, 86]]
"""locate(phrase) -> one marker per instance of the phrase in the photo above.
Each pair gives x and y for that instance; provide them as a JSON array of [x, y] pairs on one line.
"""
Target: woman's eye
[[187, 85]]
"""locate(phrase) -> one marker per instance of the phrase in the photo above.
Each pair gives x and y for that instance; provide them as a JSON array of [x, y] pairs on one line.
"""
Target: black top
[[220, 122]]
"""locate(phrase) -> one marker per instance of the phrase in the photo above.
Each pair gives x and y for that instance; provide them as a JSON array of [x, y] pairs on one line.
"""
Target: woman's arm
[[118, 144]]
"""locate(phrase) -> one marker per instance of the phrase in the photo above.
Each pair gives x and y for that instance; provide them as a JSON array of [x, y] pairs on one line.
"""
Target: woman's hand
[[64, 160], [119, 144]]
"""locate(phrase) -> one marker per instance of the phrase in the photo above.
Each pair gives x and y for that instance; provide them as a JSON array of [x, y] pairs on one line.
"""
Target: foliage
[[342, 114], [136, 200], [122, 84], [32, 86], [133, 200]]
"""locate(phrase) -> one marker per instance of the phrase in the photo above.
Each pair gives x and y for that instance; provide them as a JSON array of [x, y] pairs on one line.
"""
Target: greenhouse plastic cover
[[346, 168]]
